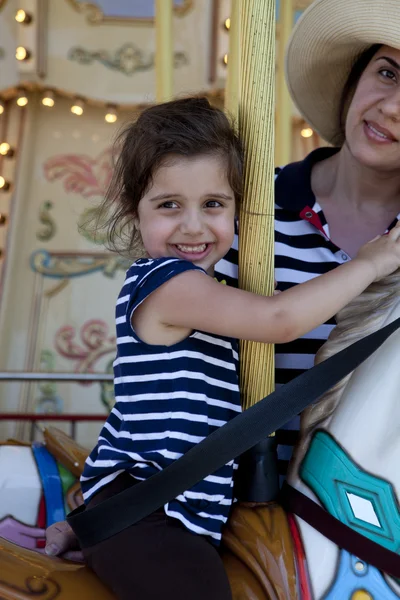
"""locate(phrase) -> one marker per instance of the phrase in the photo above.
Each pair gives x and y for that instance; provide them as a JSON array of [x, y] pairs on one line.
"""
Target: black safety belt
[[111, 516]]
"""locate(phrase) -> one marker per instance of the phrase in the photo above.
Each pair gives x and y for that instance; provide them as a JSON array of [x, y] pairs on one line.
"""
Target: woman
[[343, 72]]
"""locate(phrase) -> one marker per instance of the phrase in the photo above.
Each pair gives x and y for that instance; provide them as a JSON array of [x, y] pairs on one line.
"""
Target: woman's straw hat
[[324, 45]]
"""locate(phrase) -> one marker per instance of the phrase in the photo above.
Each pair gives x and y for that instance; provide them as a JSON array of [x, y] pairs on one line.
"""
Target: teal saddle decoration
[[364, 502]]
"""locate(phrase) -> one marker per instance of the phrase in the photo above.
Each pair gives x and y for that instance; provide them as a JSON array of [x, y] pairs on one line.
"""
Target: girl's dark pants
[[157, 558]]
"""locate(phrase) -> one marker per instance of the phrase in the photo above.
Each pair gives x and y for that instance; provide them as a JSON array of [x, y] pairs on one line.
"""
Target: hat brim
[[323, 47]]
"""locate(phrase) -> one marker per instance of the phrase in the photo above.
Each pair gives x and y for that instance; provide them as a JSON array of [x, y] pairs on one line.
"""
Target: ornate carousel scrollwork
[[48, 231], [128, 59], [35, 587], [59, 266]]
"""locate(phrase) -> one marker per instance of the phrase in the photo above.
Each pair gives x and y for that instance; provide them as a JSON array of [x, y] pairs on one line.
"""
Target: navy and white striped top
[[167, 399], [303, 250]]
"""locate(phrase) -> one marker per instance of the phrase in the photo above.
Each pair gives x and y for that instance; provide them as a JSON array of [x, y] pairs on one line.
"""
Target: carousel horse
[[39, 483], [346, 462], [39, 486]]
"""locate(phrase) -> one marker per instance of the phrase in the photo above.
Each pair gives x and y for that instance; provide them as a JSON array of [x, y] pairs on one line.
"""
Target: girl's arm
[[193, 300]]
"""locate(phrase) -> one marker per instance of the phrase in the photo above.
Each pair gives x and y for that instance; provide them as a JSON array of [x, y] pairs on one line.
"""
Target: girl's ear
[[136, 223]]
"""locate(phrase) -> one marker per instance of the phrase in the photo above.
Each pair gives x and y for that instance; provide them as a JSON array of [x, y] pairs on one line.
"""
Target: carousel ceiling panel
[[298, 6], [103, 11], [119, 67]]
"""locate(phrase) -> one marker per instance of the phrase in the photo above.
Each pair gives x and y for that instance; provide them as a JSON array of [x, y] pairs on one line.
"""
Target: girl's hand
[[382, 253], [61, 541]]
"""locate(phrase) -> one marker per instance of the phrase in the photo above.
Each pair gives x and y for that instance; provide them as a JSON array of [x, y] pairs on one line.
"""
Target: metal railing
[[39, 376], [72, 418]]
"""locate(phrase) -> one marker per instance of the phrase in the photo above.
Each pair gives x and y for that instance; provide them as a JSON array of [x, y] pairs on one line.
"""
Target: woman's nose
[[390, 106]]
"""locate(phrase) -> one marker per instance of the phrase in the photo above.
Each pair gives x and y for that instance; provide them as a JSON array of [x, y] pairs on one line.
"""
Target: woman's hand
[[61, 541], [383, 253]]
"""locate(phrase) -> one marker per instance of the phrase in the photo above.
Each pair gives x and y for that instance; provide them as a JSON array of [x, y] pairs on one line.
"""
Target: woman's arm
[[193, 300]]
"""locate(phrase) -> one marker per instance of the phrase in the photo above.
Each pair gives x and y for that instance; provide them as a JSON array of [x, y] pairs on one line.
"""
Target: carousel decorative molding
[[128, 59], [302, 4], [59, 265], [48, 401], [48, 231], [95, 14], [80, 173], [87, 347], [35, 587]]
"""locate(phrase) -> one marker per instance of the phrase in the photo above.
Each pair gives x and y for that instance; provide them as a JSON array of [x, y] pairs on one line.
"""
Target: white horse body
[[20, 484], [365, 426]]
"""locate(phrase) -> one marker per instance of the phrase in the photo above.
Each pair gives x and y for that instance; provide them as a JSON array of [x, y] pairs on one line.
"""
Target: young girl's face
[[189, 211]]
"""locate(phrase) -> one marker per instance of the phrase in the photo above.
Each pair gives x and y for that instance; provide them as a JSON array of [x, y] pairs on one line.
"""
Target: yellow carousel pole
[[256, 240], [257, 546], [284, 104], [232, 88], [164, 58]]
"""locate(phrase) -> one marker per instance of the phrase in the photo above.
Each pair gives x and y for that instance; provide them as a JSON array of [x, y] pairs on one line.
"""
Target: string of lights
[[49, 99], [78, 104]]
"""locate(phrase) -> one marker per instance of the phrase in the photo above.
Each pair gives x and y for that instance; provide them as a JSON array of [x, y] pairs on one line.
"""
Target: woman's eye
[[387, 74]]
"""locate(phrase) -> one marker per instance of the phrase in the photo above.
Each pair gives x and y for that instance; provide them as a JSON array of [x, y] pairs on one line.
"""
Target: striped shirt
[[303, 251], [167, 399]]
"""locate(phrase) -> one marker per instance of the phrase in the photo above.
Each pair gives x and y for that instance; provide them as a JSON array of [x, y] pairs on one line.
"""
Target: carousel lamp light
[[111, 114], [22, 99], [23, 17], [22, 53], [4, 185], [48, 99], [225, 59], [2, 107], [6, 150], [306, 132], [227, 23], [78, 107]]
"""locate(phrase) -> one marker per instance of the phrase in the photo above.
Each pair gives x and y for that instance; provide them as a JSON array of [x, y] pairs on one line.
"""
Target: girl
[[176, 190]]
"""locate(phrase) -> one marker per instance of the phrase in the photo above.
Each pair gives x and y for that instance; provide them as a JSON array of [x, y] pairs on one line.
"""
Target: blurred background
[[71, 73]]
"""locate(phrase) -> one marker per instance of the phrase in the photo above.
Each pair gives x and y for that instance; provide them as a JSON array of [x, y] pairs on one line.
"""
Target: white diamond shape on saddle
[[363, 509]]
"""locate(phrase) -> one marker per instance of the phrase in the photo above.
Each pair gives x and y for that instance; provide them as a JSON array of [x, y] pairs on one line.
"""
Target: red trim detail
[[72, 417], [311, 216], [41, 519], [301, 560]]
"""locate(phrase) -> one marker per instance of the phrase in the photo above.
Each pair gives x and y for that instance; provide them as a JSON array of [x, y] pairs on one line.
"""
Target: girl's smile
[[194, 252], [189, 211]]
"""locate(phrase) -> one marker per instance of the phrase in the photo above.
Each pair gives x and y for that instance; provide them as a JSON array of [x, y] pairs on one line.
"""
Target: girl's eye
[[168, 204], [213, 204], [387, 74]]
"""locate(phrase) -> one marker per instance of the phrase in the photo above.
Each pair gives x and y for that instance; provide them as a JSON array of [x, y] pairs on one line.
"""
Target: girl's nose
[[192, 223]]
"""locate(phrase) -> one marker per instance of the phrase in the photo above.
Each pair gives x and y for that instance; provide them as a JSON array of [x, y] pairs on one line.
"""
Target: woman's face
[[373, 118]]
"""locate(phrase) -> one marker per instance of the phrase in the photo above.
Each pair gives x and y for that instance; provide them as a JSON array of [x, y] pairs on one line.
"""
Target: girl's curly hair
[[185, 127]]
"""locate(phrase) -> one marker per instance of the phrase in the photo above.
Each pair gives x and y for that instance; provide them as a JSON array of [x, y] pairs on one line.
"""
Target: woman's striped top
[[167, 399], [303, 251]]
